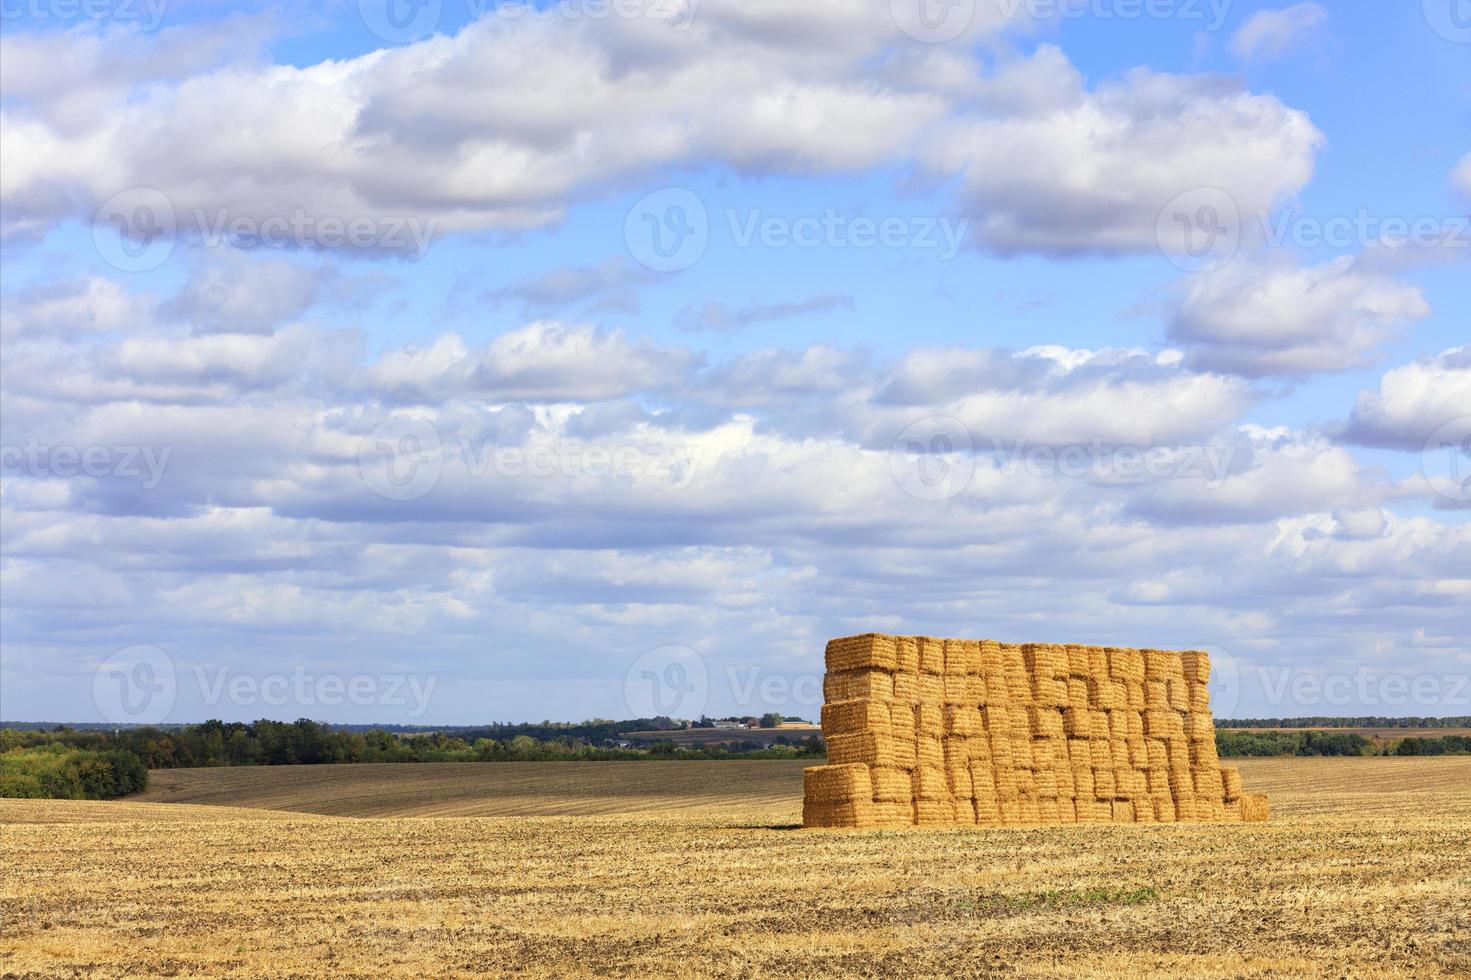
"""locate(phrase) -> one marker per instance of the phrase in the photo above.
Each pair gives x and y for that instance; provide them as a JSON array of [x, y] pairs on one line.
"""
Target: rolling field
[[693, 870]]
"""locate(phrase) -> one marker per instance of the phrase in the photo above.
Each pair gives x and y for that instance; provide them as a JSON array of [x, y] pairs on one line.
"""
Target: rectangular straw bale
[[1255, 808], [957, 751], [960, 782], [1063, 774], [980, 748], [1045, 660], [988, 811], [1118, 725], [1204, 754], [906, 654], [1079, 692], [1156, 694], [891, 785], [1045, 753], [964, 809], [906, 688], [1018, 681], [901, 721], [1098, 726], [929, 750], [868, 650], [932, 689], [1163, 723], [1231, 782], [1196, 665], [850, 685], [1077, 660], [929, 719], [1233, 810], [930, 783], [963, 719], [978, 692], [1164, 809], [956, 689], [1178, 694], [1080, 752], [1199, 697], [1138, 752], [1208, 784], [1076, 723], [1159, 753], [1047, 783], [931, 655], [1199, 727], [962, 657], [1102, 696], [869, 748], [934, 813], [1031, 810], [1046, 723], [1102, 752], [1007, 789], [837, 784], [853, 816], [1103, 784], [1126, 664], [1162, 665], [1134, 695], [1143, 810], [853, 717], [1158, 781], [1050, 691], [1084, 785], [1123, 811], [891, 816], [992, 660]]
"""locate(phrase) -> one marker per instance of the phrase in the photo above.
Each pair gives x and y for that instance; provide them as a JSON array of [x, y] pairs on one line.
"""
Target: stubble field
[[669, 869]]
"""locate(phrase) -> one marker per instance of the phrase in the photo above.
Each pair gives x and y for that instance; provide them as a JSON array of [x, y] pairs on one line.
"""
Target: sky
[[445, 361]]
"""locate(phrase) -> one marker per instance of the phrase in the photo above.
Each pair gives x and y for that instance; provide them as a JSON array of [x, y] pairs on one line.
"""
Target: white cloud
[[1415, 400], [1093, 175], [1276, 317], [1269, 34]]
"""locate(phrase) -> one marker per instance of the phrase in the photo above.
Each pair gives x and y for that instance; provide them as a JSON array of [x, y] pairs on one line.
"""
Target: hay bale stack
[[935, 732]]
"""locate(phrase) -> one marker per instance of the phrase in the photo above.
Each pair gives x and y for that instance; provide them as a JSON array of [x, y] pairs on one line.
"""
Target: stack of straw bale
[[930, 732]]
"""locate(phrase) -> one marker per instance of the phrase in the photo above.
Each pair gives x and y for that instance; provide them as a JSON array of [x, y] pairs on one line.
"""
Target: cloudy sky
[[442, 361]]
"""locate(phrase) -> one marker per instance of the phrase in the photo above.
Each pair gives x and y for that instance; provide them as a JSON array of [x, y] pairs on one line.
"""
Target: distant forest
[[99, 762]]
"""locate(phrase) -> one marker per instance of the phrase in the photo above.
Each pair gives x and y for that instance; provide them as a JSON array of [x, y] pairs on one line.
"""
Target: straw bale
[[857, 815], [957, 689], [1084, 787], [1199, 697], [902, 722], [849, 685], [837, 783], [934, 813], [929, 750], [929, 719], [869, 748], [961, 785], [891, 784], [962, 657], [1080, 692], [1254, 807], [857, 652], [931, 655], [1231, 782], [930, 783], [1046, 723], [932, 689], [906, 654], [1196, 665], [906, 688], [853, 717]]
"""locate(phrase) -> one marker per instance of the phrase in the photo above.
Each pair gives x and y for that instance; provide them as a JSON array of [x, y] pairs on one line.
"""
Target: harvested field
[[1361, 872]]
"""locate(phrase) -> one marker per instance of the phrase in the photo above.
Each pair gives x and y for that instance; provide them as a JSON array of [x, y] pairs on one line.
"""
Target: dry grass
[[1362, 872]]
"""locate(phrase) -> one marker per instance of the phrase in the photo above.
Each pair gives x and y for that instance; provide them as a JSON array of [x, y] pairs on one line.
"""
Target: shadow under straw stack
[[929, 732]]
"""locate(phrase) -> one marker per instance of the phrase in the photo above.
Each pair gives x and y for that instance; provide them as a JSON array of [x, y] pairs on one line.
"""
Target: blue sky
[[294, 482]]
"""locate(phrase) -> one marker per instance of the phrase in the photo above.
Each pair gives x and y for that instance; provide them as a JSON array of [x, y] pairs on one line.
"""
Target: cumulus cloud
[[1414, 401], [1277, 317], [1045, 164], [1269, 34], [1094, 174], [232, 293]]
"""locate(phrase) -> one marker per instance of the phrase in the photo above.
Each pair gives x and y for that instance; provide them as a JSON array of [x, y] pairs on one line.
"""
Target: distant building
[[727, 724], [796, 723]]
